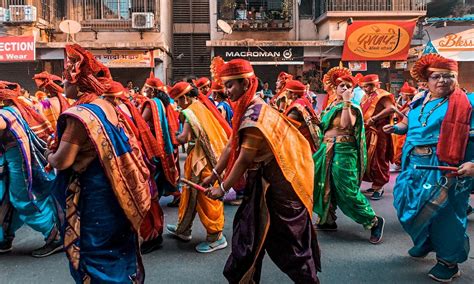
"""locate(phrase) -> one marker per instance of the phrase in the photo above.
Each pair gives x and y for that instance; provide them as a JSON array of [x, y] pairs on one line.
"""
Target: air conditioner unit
[[4, 15], [143, 20], [22, 13]]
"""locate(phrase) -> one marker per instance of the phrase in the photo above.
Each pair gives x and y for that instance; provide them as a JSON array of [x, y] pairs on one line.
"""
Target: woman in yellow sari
[[206, 140]]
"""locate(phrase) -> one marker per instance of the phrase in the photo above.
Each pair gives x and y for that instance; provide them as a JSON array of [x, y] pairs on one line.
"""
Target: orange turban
[[370, 79], [407, 89], [295, 87], [430, 63], [180, 89]]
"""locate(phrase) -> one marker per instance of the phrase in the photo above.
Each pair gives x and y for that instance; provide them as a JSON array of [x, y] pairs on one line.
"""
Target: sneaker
[[172, 230], [444, 273], [206, 247], [376, 233], [377, 195], [369, 190], [6, 246], [151, 245], [326, 227], [48, 249], [175, 202], [420, 252]]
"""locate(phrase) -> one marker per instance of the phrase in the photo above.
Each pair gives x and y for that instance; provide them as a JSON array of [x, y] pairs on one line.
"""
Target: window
[[257, 14], [306, 8]]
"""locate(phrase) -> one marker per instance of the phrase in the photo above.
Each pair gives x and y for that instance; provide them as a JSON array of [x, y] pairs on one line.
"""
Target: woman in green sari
[[340, 163]]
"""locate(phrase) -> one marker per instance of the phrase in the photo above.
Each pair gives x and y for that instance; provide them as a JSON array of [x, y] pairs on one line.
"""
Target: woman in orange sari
[[206, 140]]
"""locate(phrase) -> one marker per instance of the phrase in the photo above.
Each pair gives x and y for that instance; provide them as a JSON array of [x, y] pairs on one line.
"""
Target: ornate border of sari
[[311, 121], [296, 163], [359, 134], [164, 137], [127, 174], [202, 122], [369, 110], [12, 117]]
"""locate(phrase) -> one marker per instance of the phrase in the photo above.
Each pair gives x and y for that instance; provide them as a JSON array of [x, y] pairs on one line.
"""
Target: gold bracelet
[[347, 104]]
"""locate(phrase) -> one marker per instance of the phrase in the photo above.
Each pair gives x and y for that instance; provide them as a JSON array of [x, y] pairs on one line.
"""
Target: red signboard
[[378, 40], [17, 48]]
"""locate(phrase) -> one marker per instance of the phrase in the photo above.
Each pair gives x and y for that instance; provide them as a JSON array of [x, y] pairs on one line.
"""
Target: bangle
[[214, 172], [347, 103], [223, 189]]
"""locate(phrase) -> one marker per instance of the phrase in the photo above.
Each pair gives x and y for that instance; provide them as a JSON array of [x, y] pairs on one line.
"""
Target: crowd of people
[[85, 162]]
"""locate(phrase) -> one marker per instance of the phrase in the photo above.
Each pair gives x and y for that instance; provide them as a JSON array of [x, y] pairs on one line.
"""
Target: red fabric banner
[[378, 40]]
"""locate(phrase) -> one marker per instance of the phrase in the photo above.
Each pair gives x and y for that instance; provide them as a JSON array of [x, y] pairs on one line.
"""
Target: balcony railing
[[257, 15], [372, 6], [112, 15], [49, 11]]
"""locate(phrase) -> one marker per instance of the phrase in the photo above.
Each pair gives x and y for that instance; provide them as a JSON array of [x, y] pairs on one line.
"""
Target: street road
[[347, 256]]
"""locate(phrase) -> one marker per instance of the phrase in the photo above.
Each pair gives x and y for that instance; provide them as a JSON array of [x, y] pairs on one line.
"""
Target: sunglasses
[[437, 77], [348, 86]]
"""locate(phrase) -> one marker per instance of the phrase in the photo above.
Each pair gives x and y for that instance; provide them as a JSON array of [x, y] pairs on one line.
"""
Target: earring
[[245, 89]]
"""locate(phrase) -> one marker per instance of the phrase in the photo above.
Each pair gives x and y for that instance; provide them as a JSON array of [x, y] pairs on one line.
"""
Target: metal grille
[[191, 11], [45, 9], [111, 14], [191, 56], [373, 5]]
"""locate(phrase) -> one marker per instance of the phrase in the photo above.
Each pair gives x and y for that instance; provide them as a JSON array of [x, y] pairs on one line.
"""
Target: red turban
[[407, 89], [180, 89], [202, 82], [7, 94], [430, 63], [236, 69], [295, 87], [370, 79], [348, 79], [48, 81], [153, 82], [115, 89], [283, 76], [83, 70]]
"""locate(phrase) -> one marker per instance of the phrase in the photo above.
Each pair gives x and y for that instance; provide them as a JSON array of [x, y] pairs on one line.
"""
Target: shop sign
[[17, 48], [454, 42], [401, 65], [374, 40], [263, 55], [385, 64], [430, 48], [357, 65], [125, 58]]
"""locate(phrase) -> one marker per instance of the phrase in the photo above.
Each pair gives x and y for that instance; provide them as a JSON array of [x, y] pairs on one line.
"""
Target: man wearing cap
[[206, 140], [25, 185], [103, 168], [204, 85], [406, 96], [377, 107], [275, 215], [279, 100], [432, 204], [301, 113], [220, 97]]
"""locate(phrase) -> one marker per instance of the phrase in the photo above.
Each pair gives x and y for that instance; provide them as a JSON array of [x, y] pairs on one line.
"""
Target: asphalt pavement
[[347, 256]]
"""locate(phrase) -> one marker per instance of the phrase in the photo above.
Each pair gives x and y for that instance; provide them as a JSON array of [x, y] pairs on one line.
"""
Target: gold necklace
[[424, 123]]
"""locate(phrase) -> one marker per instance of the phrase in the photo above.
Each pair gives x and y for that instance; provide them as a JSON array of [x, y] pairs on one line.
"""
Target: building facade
[[302, 37], [132, 37]]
